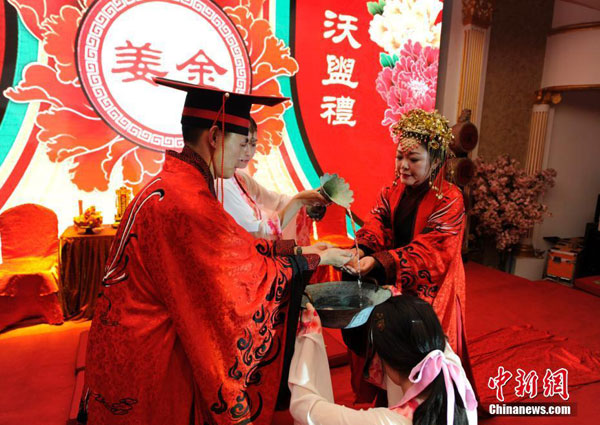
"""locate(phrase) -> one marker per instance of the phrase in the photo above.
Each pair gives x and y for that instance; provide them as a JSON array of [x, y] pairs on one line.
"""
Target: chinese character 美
[[556, 383], [345, 25], [340, 71], [499, 381], [138, 61], [203, 66], [338, 108], [526, 383]]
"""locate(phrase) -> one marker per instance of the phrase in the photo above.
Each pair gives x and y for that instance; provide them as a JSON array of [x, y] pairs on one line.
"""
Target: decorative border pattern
[[96, 22], [258, 347]]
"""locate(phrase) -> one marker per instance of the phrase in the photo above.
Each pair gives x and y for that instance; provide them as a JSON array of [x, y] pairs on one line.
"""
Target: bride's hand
[[361, 253], [365, 265], [351, 265]]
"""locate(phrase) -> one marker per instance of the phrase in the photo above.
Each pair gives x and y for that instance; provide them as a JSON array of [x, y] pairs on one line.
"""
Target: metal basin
[[338, 303]]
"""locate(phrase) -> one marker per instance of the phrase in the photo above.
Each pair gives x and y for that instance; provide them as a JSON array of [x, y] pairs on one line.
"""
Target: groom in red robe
[[191, 325]]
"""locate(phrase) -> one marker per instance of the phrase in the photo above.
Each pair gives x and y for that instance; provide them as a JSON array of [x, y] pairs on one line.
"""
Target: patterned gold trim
[[552, 95], [547, 97], [477, 12]]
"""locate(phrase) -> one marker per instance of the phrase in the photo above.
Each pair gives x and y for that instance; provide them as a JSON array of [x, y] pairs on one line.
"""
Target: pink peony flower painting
[[411, 83]]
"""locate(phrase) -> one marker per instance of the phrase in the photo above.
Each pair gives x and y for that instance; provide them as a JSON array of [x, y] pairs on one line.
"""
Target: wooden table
[[81, 268]]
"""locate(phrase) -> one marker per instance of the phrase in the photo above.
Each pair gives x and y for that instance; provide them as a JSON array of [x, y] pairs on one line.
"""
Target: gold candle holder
[[123, 199]]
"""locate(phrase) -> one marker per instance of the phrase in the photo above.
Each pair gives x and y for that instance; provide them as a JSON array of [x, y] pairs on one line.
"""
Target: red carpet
[[537, 325], [509, 320], [37, 373], [496, 299]]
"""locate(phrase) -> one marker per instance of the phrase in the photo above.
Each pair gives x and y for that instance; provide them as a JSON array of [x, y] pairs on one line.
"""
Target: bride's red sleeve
[[376, 234], [420, 267]]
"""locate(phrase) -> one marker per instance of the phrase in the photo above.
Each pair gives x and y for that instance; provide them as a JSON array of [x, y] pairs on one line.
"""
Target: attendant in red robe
[[413, 238], [192, 324]]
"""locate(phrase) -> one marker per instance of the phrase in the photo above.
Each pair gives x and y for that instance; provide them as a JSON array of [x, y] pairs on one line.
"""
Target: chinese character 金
[[202, 67], [345, 25], [338, 110], [526, 383], [138, 62], [498, 382], [556, 383], [340, 71]]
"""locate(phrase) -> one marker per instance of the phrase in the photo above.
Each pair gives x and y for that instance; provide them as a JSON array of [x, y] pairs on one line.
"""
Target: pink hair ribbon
[[428, 369]]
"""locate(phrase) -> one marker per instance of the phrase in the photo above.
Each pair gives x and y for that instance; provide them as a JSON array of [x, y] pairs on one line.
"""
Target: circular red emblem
[[121, 46]]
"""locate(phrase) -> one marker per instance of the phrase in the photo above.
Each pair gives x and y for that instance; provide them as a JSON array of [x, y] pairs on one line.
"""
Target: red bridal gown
[[416, 239], [191, 326], [428, 263]]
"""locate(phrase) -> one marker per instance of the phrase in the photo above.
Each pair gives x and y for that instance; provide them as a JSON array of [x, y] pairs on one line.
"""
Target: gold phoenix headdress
[[431, 129]]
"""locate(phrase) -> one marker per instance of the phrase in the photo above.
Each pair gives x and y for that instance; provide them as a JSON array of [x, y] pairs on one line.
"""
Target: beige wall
[[514, 72], [567, 13], [573, 150], [572, 58]]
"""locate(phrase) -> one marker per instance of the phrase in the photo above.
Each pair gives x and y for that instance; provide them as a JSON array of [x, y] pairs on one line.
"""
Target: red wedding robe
[[430, 266], [191, 325]]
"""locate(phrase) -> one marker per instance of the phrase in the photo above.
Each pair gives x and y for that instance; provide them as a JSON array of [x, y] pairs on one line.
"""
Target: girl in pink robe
[[410, 358]]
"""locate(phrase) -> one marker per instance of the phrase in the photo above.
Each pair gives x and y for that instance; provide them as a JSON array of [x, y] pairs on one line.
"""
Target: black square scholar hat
[[203, 106]]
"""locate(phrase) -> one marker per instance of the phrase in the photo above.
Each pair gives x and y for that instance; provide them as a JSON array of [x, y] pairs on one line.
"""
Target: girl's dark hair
[[405, 329]]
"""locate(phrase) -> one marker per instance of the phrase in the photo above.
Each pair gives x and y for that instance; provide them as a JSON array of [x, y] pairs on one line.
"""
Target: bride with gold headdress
[[413, 237]]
